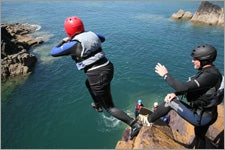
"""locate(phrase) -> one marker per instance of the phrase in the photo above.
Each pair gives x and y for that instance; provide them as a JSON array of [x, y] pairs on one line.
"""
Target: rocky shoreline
[[16, 42], [207, 13]]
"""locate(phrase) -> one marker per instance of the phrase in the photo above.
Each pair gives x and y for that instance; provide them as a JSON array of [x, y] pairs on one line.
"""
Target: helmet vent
[[204, 52]]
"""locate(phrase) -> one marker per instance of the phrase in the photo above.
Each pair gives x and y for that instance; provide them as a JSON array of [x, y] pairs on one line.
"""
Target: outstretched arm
[[63, 48], [178, 86]]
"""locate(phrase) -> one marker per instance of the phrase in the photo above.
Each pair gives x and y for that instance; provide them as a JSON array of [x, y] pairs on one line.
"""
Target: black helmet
[[204, 53]]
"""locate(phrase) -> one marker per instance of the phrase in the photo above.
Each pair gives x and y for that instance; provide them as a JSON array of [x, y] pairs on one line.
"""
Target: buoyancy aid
[[213, 97], [91, 49], [202, 96], [205, 100], [218, 96]]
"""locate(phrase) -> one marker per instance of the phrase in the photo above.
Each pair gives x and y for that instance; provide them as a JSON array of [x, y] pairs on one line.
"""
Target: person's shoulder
[[211, 69], [101, 37]]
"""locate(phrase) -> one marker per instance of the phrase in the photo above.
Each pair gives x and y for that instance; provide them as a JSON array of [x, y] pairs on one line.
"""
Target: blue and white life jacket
[[91, 49]]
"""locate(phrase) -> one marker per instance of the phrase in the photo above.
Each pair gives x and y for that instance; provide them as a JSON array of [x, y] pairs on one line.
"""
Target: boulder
[[178, 15], [209, 13], [182, 15]]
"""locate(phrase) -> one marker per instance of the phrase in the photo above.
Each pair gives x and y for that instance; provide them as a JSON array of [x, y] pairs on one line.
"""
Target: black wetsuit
[[199, 90], [99, 75]]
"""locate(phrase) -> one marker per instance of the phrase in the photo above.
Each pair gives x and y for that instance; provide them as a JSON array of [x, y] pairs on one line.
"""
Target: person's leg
[[100, 84], [182, 110], [200, 132], [96, 104], [99, 87], [188, 114], [159, 112], [107, 103]]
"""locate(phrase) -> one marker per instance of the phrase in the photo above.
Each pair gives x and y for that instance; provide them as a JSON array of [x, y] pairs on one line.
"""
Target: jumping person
[[199, 91], [85, 49]]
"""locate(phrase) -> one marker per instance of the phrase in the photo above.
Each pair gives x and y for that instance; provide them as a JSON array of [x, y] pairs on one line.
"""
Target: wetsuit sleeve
[[181, 87], [205, 80], [63, 49], [101, 37]]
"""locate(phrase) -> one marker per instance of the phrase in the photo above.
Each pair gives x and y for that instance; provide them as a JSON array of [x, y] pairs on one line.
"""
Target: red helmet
[[73, 25]]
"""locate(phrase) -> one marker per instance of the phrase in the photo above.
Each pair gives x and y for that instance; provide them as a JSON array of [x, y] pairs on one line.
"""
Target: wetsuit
[[137, 109], [199, 91], [85, 49]]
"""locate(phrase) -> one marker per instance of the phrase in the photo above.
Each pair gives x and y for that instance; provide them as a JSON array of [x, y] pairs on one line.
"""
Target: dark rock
[[15, 45], [8, 43]]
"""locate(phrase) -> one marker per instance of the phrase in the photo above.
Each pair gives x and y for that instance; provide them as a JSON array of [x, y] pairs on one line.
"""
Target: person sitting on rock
[[199, 91]]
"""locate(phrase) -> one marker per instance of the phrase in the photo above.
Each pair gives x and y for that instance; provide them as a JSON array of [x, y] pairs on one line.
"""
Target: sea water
[[51, 107]]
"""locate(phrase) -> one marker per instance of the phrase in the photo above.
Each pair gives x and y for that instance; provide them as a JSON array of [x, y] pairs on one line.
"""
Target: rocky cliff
[[177, 135], [207, 13], [15, 44]]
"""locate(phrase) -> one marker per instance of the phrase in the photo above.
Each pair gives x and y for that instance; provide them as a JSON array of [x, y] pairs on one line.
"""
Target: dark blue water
[[51, 107]]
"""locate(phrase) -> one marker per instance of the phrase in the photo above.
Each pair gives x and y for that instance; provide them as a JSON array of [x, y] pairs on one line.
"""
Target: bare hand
[[161, 69], [66, 39], [169, 97]]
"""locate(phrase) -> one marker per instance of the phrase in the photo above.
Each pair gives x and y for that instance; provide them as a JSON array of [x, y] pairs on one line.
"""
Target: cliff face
[[15, 45], [207, 13], [177, 135]]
